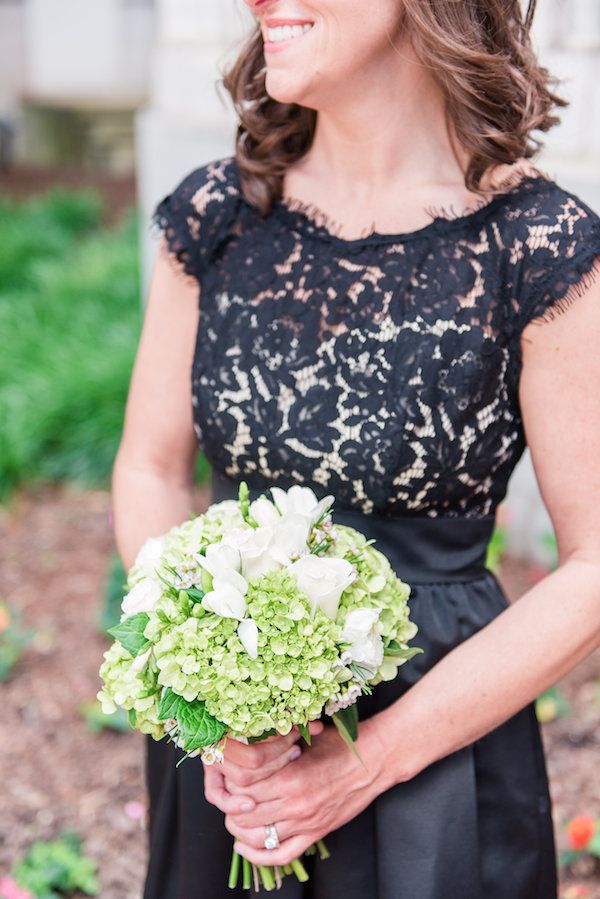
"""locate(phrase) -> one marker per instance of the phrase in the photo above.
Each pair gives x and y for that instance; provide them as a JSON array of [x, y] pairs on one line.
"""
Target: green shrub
[[70, 318]]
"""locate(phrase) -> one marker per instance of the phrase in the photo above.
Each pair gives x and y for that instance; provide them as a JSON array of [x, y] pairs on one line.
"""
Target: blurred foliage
[[13, 639], [496, 549], [97, 720], [70, 317], [551, 705], [110, 612], [56, 866]]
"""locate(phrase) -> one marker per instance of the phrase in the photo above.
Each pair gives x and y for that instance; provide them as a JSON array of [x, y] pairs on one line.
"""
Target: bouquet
[[252, 618]]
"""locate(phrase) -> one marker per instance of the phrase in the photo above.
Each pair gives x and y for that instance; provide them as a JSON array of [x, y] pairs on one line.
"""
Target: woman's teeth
[[285, 32]]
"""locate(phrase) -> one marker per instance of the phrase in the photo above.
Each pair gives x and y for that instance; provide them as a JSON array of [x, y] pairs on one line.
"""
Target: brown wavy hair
[[479, 52]]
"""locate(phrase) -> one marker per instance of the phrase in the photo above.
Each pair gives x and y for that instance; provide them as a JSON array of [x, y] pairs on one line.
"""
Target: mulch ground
[[54, 548]]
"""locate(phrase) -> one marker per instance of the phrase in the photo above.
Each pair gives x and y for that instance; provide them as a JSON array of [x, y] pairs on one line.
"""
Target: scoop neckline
[[306, 217]]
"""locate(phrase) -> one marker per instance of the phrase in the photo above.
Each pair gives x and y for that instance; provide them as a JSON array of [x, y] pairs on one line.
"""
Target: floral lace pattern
[[382, 369]]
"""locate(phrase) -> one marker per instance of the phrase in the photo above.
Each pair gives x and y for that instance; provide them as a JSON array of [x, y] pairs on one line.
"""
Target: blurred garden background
[[97, 122]]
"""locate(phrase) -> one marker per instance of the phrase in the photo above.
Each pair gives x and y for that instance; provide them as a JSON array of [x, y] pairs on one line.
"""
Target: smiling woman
[[317, 317]]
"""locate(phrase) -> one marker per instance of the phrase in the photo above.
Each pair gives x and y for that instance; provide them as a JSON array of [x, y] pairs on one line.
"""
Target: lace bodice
[[383, 369]]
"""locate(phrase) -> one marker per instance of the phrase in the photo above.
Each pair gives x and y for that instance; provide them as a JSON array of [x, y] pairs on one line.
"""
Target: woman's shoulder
[[198, 213], [552, 236]]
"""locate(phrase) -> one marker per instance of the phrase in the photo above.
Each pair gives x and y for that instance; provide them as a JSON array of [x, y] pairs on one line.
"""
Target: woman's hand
[[248, 764], [322, 790]]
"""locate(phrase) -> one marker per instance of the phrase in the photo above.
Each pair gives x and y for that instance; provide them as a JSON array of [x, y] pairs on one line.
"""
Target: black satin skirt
[[474, 825]]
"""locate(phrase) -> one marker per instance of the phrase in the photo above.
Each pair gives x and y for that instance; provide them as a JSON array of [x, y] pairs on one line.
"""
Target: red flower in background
[[580, 831]]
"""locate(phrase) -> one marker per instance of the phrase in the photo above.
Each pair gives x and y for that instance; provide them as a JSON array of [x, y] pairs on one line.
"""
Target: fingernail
[[246, 806], [295, 753]]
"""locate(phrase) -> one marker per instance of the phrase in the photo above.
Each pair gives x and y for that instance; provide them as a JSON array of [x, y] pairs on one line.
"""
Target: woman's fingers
[[217, 793], [243, 776], [263, 813], [253, 755], [255, 836], [288, 851]]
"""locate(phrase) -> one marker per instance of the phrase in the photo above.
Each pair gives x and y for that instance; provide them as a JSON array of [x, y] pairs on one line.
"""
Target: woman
[[396, 359]]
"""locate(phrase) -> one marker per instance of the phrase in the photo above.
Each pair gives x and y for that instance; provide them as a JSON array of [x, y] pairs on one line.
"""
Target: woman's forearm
[[145, 503], [494, 673]]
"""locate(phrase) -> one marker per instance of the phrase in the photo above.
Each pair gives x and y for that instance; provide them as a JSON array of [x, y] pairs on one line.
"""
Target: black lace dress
[[383, 370]]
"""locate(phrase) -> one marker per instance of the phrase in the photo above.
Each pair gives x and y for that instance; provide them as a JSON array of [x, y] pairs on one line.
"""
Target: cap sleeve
[[197, 216], [560, 253]]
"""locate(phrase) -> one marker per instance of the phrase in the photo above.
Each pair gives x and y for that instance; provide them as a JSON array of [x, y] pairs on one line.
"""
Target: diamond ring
[[271, 837]]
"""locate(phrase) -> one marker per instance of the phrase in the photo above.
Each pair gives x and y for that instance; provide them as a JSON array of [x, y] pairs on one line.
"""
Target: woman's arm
[[153, 470], [555, 624], [503, 667]]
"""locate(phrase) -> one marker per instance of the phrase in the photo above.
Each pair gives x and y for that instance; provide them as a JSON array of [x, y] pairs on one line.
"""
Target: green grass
[[70, 319]]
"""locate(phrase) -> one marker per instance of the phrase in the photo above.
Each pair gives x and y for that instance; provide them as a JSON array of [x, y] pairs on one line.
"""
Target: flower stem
[[234, 870], [246, 874], [267, 877], [299, 870], [323, 850]]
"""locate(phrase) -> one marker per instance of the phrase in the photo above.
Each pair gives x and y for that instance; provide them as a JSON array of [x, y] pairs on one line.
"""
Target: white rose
[[323, 581], [141, 598], [248, 634], [361, 632], [301, 501], [148, 557]]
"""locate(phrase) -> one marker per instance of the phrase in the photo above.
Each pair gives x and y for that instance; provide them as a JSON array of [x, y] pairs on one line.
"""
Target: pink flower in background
[[10, 889], [135, 811]]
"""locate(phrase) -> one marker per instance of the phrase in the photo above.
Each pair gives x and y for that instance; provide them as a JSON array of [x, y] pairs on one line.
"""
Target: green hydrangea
[[301, 666], [131, 690], [290, 681], [377, 586]]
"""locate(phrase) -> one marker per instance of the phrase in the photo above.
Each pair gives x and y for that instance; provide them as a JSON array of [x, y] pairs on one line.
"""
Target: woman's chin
[[287, 89]]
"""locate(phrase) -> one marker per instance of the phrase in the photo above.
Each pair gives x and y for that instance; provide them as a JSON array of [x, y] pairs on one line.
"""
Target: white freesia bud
[[361, 632], [264, 512], [220, 555], [224, 600], [141, 598], [253, 545], [323, 581], [248, 634], [139, 663], [289, 538]]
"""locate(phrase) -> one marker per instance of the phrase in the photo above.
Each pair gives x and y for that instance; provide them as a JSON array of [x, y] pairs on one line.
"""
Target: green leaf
[[169, 704], [195, 594], [349, 718], [346, 727], [267, 733], [130, 633], [305, 731], [132, 717], [395, 649], [197, 727]]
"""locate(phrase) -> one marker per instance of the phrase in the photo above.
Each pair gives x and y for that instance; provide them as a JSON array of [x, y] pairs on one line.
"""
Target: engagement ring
[[271, 837]]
